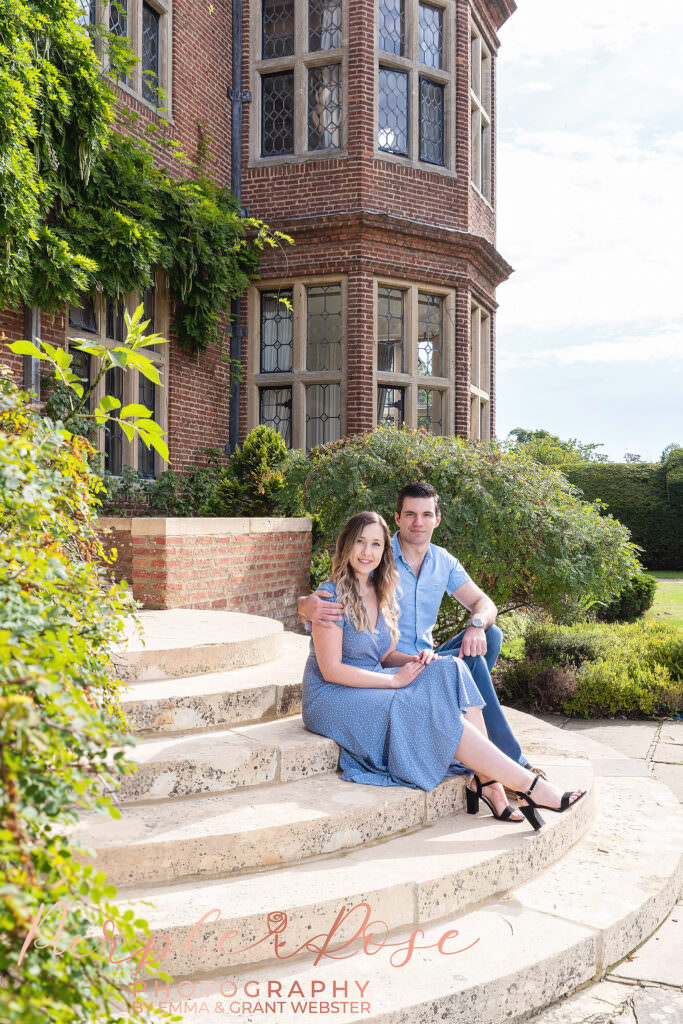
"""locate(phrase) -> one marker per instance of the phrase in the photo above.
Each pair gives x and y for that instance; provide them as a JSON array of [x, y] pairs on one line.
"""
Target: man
[[426, 572]]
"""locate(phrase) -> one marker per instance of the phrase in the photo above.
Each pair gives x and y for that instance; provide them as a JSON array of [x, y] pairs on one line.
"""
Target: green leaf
[[145, 366], [134, 410], [109, 402], [127, 429], [25, 348], [119, 357]]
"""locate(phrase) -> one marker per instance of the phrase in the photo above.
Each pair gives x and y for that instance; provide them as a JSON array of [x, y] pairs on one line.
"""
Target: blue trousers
[[497, 725]]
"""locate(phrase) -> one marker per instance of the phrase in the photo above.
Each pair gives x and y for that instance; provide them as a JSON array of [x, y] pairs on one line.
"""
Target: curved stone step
[[221, 699], [186, 641], [499, 963], [256, 755], [258, 828], [444, 868]]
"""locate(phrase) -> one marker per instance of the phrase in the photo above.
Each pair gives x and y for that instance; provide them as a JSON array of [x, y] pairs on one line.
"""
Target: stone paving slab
[[660, 959], [672, 776], [613, 1003], [634, 739]]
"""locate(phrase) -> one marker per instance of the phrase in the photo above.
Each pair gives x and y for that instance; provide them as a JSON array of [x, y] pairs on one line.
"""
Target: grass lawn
[[668, 604]]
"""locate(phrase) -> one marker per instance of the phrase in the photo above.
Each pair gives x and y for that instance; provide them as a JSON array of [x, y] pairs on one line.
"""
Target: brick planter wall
[[257, 566]]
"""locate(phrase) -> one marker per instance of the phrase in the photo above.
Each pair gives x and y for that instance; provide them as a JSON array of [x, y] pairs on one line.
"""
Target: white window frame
[[481, 118], [299, 62], [444, 76], [410, 380], [298, 378], [480, 373], [131, 376]]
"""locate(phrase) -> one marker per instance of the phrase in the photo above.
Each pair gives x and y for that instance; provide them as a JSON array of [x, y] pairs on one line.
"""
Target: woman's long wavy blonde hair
[[384, 577]]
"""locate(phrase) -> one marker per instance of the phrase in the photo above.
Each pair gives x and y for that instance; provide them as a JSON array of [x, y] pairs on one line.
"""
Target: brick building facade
[[368, 135]]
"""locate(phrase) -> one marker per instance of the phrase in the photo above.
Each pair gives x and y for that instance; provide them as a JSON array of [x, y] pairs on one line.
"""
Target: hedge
[[647, 498]]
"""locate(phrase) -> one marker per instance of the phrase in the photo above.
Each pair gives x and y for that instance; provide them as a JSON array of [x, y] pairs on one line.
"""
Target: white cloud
[[664, 347]]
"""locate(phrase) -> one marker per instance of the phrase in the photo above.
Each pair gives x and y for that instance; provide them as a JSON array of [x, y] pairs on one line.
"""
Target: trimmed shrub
[[249, 484], [593, 669], [632, 601], [647, 498], [519, 528]]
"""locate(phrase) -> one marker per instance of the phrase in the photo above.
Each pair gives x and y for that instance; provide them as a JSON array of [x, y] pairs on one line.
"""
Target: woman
[[399, 719]]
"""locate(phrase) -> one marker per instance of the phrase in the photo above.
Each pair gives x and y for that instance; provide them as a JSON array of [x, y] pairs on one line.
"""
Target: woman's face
[[367, 550]]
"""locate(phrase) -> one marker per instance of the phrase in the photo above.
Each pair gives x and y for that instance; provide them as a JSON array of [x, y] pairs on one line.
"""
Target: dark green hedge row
[[648, 498]]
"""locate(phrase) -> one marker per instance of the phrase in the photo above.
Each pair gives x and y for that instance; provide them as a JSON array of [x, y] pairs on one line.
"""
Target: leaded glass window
[[118, 17], [113, 437], [430, 410], [276, 332], [80, 365], [430, 36], [278, 28], [390, 329], [324, 24], [431, 121], [430, 335], [149, 308], [85, 315], [277, 113], [88, 14], [147, 397], [392, 32], [390, 406], [275, 410], [323, 327], [115, 323], [324, 107], [323, 420], [393, 111], [150, 53]]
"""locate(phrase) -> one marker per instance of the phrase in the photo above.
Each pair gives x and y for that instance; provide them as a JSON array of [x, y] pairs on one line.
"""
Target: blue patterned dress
[[404, 737]]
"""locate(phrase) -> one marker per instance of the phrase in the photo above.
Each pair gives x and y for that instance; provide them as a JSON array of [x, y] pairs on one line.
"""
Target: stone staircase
[[237, 833]]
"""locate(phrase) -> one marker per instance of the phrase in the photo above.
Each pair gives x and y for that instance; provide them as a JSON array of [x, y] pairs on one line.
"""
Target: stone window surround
[[410, 381], [481, 112], [300, 61], [131, 376], [134, 84], [444, 76], [480, 340], [298, 377]]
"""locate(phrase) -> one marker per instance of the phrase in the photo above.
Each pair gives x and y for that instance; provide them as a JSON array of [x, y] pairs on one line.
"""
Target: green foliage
[[642, 498], [84, 206], [550, 450], [134, 420], [59, 716], [632, 601], [173, 494], [518, 527], [632, 669], [250, 483]]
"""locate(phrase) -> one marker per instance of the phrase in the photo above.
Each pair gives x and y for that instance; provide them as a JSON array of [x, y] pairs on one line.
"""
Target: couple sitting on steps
[[402, 713]]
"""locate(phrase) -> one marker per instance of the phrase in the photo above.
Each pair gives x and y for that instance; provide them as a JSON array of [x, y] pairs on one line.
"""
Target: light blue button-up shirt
[[421, 595]]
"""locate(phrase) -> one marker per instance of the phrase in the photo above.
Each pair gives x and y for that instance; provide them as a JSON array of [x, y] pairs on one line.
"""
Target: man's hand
[[473, 642], [427, 655], [321, 610]]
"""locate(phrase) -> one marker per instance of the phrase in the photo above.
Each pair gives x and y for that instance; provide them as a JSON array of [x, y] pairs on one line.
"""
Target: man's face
[[417, 520]]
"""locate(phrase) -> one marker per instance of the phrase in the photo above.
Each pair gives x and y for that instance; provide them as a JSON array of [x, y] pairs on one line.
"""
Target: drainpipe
[[31, 367], [238, 99]]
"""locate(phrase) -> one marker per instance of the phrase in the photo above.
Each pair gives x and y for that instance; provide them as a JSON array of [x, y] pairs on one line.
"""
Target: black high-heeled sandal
[[473, 799], [530, 809]]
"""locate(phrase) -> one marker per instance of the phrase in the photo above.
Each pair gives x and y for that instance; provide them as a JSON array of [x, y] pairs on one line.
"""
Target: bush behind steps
[[647, 498]]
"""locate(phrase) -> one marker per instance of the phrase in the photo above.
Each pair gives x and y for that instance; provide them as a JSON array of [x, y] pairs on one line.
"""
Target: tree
[[673, 447], [519, 527], [550, 450]]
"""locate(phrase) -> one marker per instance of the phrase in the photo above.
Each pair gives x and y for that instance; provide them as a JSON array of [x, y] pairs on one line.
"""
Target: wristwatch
[[477, 621]]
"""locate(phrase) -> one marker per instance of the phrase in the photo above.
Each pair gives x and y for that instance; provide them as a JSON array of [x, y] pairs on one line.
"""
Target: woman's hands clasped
[[407, 673]]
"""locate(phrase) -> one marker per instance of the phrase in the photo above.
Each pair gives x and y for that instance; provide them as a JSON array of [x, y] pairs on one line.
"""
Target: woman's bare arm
[[328, 651]]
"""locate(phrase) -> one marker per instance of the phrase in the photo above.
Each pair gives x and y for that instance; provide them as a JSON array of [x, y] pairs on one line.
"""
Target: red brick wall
[[257, 566]]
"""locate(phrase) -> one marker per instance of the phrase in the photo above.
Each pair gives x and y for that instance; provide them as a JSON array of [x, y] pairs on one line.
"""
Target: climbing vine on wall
[[82, 204]]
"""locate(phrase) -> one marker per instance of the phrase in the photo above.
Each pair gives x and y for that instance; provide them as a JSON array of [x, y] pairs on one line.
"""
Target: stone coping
[[196, 526]]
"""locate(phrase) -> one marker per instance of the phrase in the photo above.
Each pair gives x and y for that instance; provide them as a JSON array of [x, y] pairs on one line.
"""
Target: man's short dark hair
[[420, 489]]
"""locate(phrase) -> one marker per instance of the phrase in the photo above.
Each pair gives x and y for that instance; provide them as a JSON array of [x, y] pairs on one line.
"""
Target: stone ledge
[[196, 526]]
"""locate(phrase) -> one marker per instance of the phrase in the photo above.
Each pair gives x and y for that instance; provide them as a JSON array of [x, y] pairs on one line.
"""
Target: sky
[[589, 332]]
